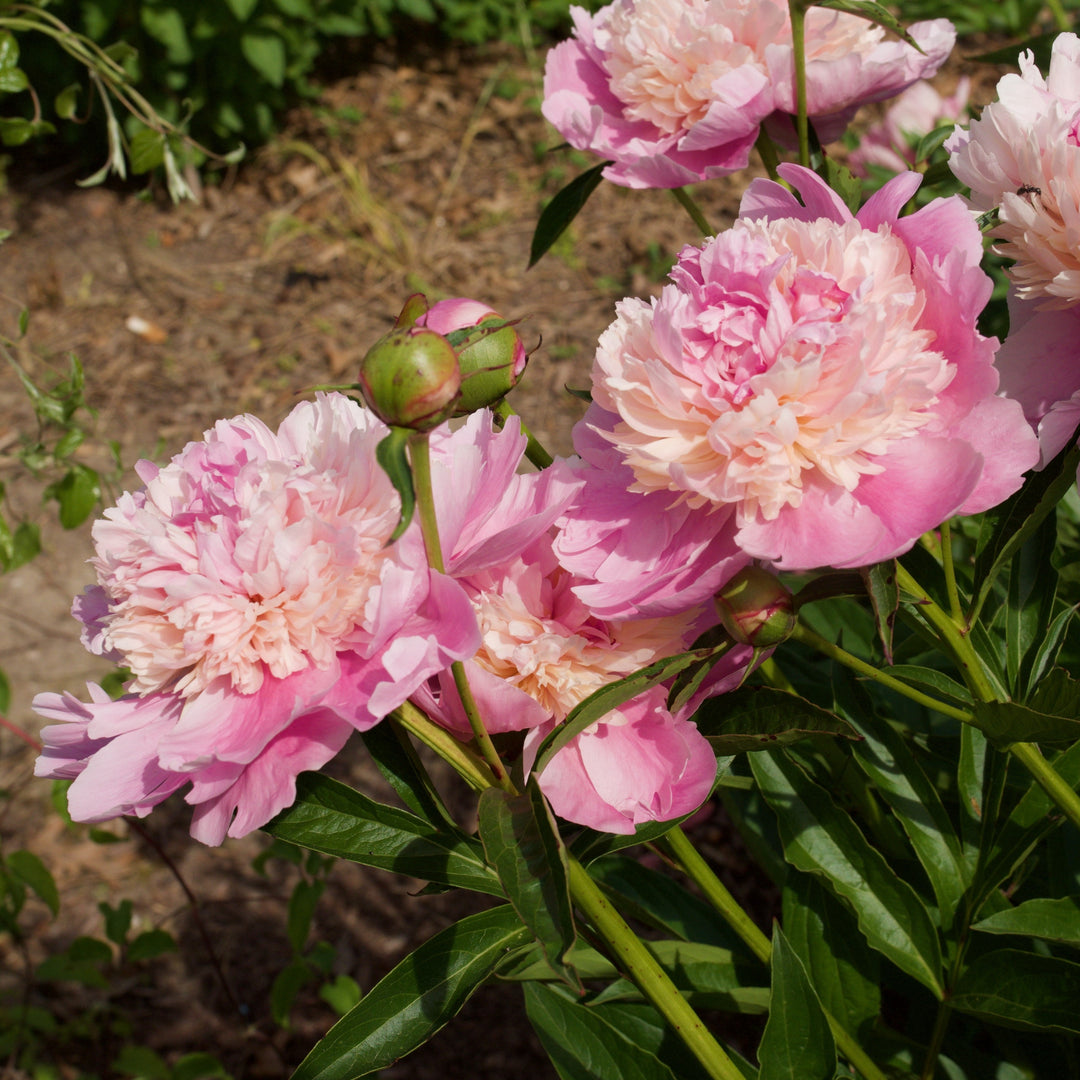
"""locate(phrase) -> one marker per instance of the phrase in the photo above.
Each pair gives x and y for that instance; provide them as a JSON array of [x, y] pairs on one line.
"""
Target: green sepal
[[392, 454]]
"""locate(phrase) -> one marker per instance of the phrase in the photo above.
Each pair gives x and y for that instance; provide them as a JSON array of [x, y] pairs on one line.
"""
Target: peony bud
[[411, 378], [756, 609], [491, 361]]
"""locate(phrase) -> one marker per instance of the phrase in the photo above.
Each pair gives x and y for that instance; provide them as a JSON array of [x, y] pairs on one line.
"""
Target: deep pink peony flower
[[675, 91], [1023, 156], [819, 376], [638, 764], [890, 143], [250, 589]]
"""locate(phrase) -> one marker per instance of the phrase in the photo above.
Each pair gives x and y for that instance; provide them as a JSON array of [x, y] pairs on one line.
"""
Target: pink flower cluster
[[676, 91], [250, 589], [1021, 159], [810, 390]]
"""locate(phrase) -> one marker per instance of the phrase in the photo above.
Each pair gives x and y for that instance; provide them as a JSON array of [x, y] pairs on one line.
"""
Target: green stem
[[633, 958], [1049, 779], [937, 1039], [955, 609], [767, 152], [1028, 754], [834, 652], [798, 46], [679, 848], [686, 201], [533, 450], [466, 763], [677, 845], [955, 641], [420, 457]]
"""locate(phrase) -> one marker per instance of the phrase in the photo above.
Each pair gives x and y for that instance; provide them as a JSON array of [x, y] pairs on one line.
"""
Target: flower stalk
[[798, 48], [677, 846], [420, 454], [632, 957], [686, 201]]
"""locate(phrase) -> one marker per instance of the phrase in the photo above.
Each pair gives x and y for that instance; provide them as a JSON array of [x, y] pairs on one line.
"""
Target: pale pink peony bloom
[[915, 113], [250, 589], [675, 91], [1022, 156], [819, 375], [1040, 368]]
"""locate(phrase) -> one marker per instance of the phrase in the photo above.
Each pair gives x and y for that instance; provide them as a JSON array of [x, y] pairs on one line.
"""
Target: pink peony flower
[[250, 589], [638, 764], [637, 554], [1022, 156], [1040, 368], [675, 91], [819, 376], [915, 113]]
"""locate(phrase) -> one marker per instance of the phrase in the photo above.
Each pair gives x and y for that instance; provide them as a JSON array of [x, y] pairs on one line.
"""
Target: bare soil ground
[[419, 174]]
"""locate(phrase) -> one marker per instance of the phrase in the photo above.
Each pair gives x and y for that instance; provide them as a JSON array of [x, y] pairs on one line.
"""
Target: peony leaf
[[797, 1043], [1031, 821], [1007, 526], [1043, 918], [396, 759], [522, 843], [1021, 989], [820, 838], [1006, 722], [332, 818], [935, 683], [406, 1007], [844, 971], [932, 140], [1029, 605], [762, 718], [890, 763], [555, 218], [584, 1044]]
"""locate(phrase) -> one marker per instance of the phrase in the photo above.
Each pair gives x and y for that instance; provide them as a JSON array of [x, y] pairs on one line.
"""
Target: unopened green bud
[[410, 378], [756, 608], [490, 352]]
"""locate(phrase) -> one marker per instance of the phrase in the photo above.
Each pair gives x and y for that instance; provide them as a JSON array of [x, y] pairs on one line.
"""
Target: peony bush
[[811, 559]]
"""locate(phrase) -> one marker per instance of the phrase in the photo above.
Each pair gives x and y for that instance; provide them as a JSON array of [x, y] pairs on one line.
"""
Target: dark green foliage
[[225, 69]]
